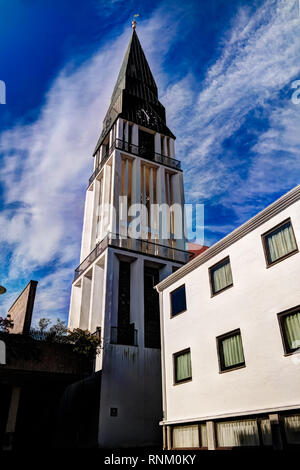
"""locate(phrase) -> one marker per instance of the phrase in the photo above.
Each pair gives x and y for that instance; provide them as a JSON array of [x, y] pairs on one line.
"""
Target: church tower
[[112, 291]]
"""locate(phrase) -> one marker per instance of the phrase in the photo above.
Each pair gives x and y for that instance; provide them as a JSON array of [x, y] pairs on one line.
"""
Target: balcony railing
[[136, 245], [124, 335], [140, 151], [101, 164], [97, 251]]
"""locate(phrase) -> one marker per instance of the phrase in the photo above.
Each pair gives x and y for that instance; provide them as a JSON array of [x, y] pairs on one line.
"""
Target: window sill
[[183, 381], [189, 448], [292, 353], [232, 369], [176, 314], [214, 294], [269, 265]]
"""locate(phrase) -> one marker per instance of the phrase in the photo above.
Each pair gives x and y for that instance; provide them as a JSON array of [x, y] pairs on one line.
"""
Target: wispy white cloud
[[46, 166], [47, 163], [259, 56]]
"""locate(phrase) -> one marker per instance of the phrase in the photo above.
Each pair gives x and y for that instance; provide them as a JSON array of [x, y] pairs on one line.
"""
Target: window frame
[[172, 315], [288, 414], [219, 340], [199, 436], [264, 236], [281, 316], [175, 355], [258, 418], [211, 281]]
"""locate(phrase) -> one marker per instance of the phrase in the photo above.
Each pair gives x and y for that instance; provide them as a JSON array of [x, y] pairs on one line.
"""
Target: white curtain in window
[[292, 429], [281, 242], [183, 368], [292, 330], [222, 277], [237, 433], [266, 432], [232, 350], [185, 436]]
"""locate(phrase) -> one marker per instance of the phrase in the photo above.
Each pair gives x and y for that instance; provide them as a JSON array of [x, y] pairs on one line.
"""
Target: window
[[182, 366], [266, 432], [279, 243], [178, 301], [290, 329], [292, 429], [189, 436], [221, 276], [230, 349], [238, 433]]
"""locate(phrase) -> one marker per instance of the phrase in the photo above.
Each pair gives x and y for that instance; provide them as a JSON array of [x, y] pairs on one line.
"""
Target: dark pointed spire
[[135, 96]]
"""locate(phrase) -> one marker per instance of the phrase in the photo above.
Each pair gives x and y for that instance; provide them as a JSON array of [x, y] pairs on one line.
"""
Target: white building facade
[[113, 289], [230, 326]]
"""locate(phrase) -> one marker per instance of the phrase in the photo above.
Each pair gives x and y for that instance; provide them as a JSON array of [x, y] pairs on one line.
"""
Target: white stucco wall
[[269, 380]]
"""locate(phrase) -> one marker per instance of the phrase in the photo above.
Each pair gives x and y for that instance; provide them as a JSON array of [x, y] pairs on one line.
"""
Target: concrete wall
[[42, 357], [131, 375], [21, 310], [270, 380]]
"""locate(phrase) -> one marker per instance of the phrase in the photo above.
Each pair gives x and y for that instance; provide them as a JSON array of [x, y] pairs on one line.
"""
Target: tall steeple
[[135, 96], [113, 289]]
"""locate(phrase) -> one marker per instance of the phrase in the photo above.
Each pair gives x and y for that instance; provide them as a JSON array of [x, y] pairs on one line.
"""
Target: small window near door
[[182, 366], [279, 243], [230, 350], [178, 301]]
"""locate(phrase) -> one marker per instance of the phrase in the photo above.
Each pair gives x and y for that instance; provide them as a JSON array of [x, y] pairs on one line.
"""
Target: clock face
[[146, 116]]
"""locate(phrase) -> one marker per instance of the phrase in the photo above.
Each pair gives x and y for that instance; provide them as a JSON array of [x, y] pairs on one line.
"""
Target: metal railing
[[140, 151], [97, 251], [101, 164], [124, 335], [136, 245]]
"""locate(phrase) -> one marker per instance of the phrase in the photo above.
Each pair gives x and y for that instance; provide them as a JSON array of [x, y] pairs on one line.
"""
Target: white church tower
[[112, 291]]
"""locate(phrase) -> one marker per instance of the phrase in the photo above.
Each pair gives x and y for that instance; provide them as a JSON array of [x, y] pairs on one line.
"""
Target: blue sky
[[224, 69]]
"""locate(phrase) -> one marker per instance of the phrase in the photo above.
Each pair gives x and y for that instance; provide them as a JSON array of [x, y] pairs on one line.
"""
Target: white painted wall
[[131, 376], [269, 380]]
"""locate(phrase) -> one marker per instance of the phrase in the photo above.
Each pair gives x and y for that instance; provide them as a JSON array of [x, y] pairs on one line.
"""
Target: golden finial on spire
[[133, 23]]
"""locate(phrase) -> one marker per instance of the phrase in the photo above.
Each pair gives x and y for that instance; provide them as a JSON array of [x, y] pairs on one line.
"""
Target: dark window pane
[[178, 300]]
